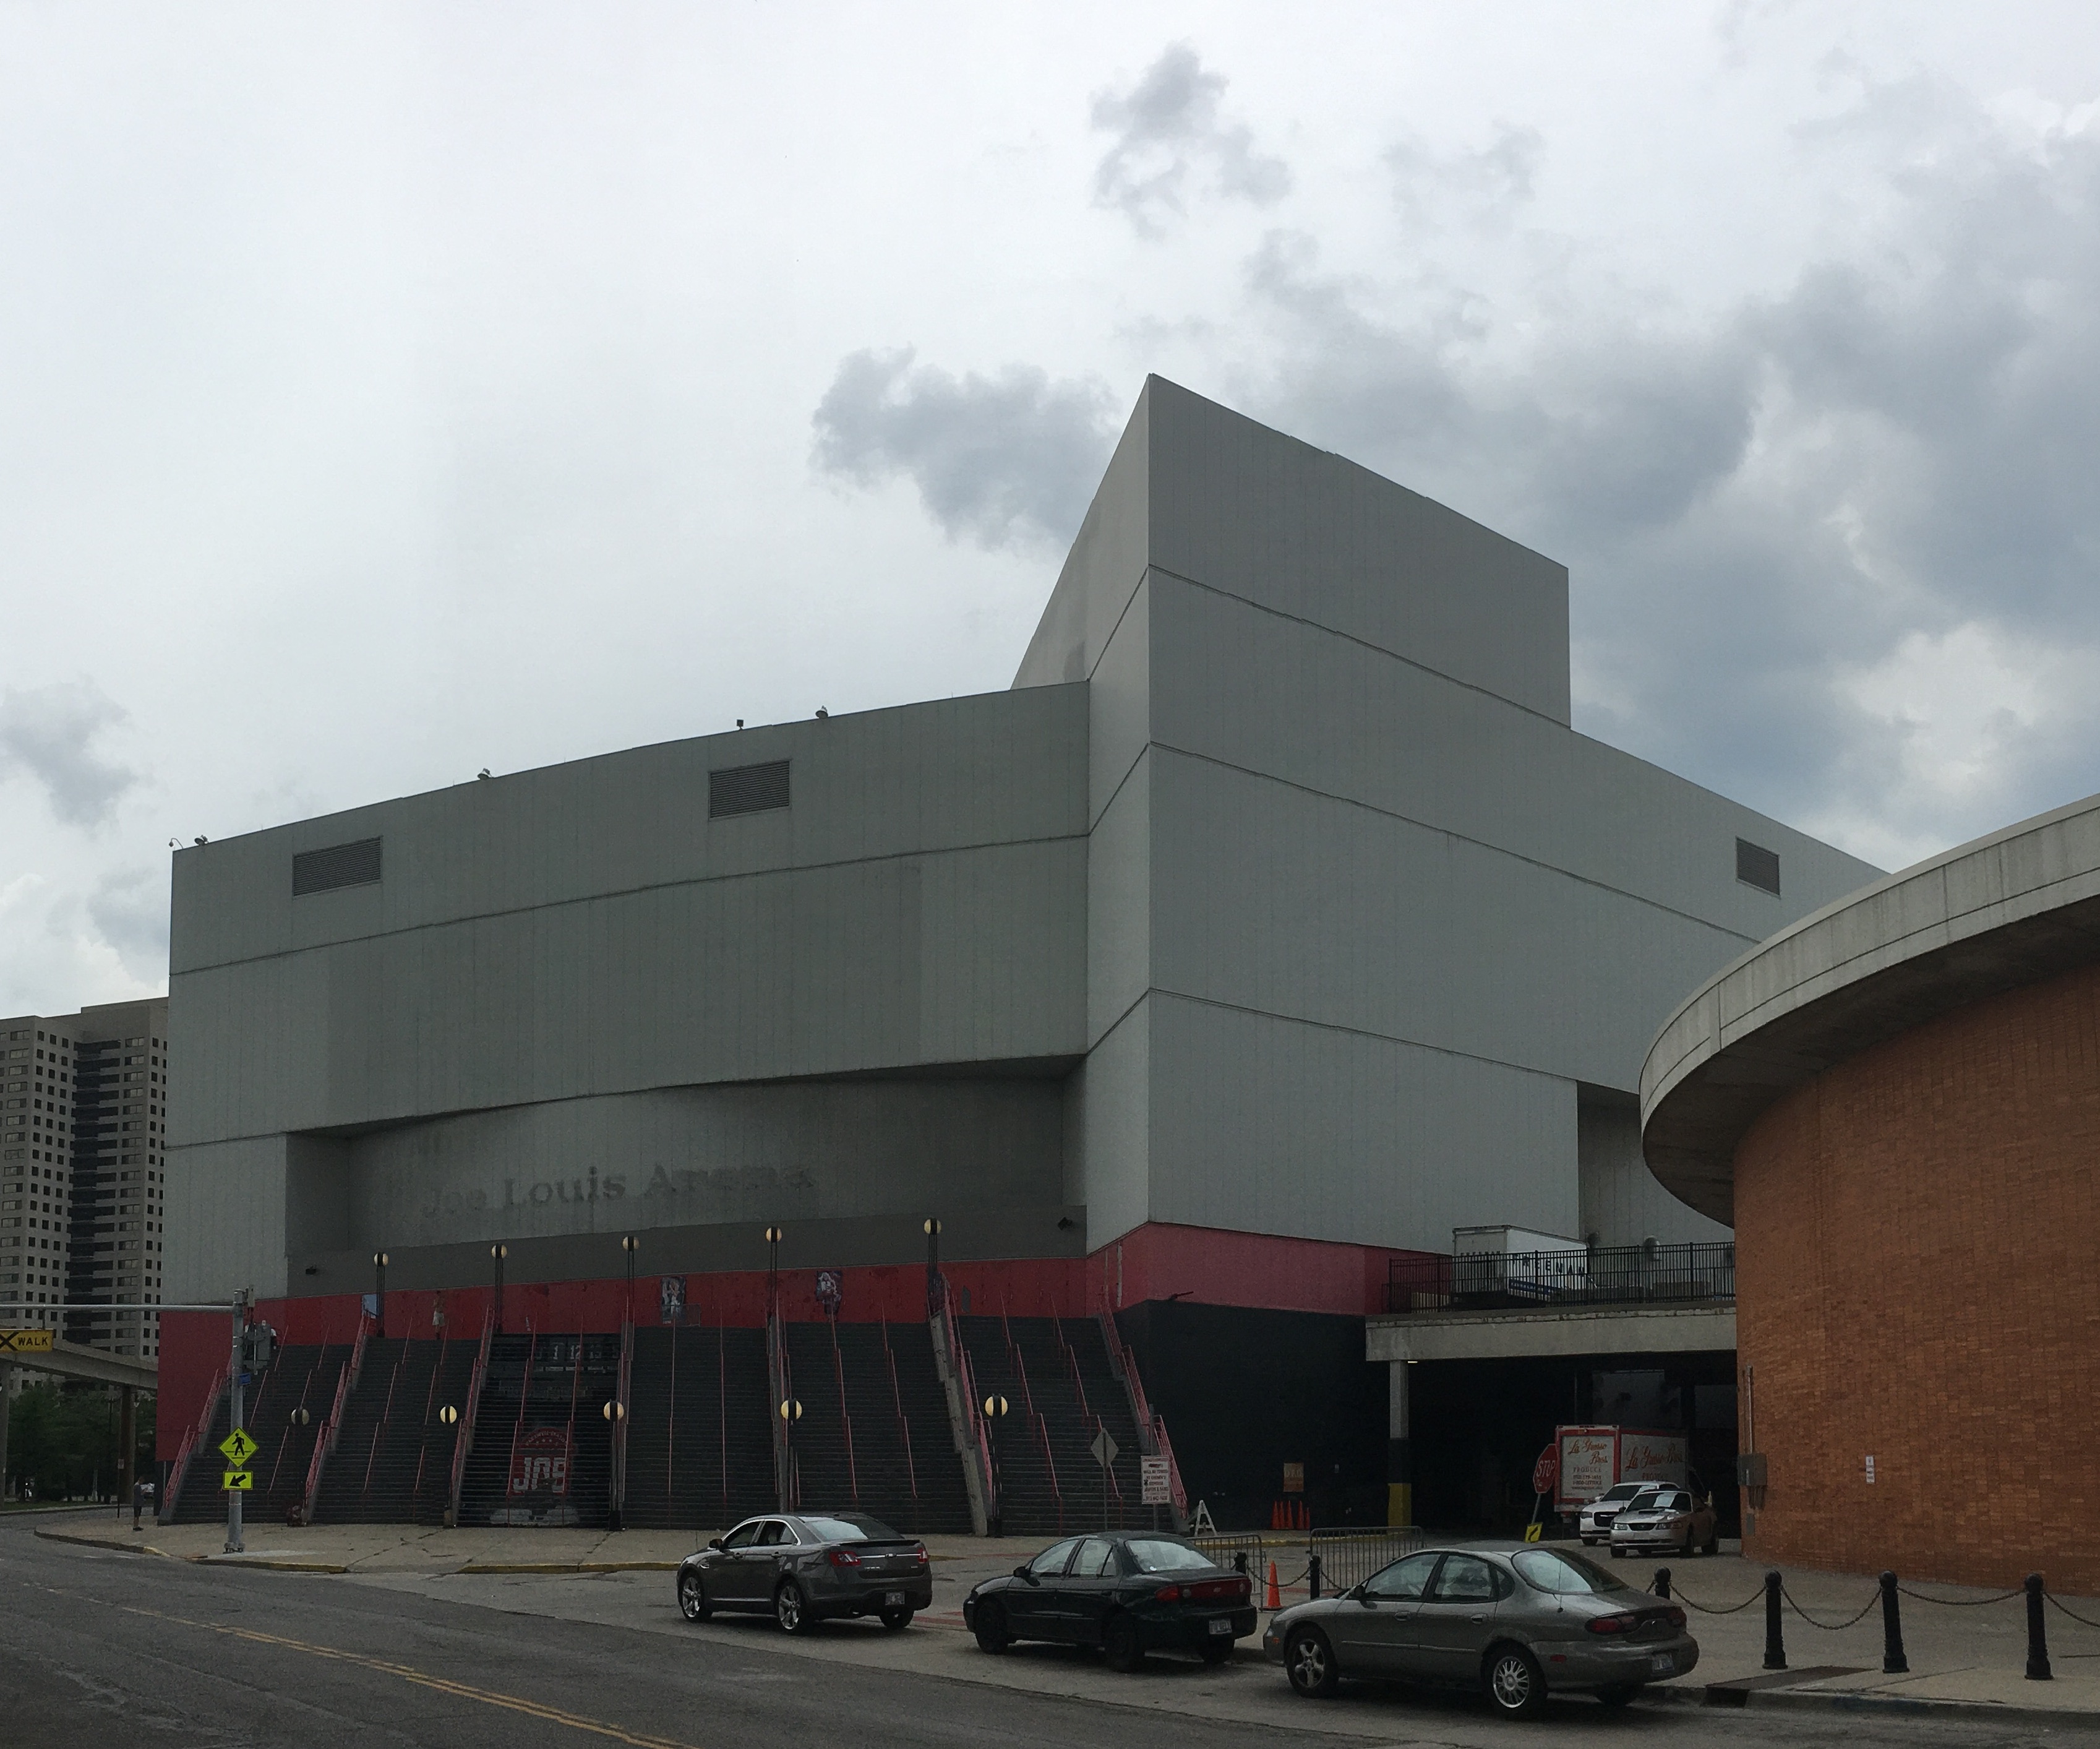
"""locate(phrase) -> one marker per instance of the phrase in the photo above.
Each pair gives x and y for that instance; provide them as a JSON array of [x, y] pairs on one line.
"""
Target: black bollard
[[1893, 1661], [1312, 1572], [1239, 1561], [1775, 1636], [2038, 1670], [1662, 1584]]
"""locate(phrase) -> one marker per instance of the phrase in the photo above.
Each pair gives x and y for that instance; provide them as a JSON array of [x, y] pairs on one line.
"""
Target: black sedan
[[1127, 1594], [801, 1567]]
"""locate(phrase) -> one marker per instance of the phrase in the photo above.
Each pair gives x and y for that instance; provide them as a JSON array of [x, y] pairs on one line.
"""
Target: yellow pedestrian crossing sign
[[238, 1448], [25, 1342], [242, 1479]]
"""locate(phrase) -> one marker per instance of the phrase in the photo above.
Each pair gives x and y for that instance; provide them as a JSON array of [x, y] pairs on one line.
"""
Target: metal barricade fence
[[1347, 1556]]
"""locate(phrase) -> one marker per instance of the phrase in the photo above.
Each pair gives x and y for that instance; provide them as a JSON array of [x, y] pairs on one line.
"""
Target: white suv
[[1595, 1522]]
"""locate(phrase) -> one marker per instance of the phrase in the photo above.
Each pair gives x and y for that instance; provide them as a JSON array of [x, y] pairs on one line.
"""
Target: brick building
[[1897, 1103]]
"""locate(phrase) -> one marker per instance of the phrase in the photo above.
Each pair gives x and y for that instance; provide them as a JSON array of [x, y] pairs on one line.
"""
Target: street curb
[[1886, 1706], [96, 1542], [569, 1566], [262, 1564]]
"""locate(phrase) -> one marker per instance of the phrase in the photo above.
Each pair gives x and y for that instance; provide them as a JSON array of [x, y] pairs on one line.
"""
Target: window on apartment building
[[1757, 867]]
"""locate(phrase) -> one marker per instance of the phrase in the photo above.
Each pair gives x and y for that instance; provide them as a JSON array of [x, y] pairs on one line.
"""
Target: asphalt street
[[102, 1648]]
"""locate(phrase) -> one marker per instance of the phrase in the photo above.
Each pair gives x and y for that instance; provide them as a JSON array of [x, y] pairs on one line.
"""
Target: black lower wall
[[1245, 1392]]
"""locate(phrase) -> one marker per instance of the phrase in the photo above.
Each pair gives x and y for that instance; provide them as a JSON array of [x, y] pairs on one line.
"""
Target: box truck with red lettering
[[1594, 1460]]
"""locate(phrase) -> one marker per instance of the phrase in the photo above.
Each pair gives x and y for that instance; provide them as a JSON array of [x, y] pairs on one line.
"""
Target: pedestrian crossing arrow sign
[[242, 1479], [238, 1447]]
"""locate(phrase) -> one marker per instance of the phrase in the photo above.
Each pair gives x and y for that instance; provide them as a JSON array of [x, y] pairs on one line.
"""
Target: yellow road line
[[444, 1686]]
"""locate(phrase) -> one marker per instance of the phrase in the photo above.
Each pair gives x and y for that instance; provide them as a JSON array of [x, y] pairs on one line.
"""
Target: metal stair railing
[[524, 1397], [1032, 1419], [903, 1421], [954, 1354], [423, 1444], [386, 1415], [1152, 1440], [776, 1380], [463, 1442], [331, 1427], [1072, 1366], [277, 1462], [616, 1500], [845, 1416], [192, 1438]]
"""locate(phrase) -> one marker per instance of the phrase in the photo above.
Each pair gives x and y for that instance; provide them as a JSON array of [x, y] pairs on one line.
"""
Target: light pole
[[934, 1298], [791, 1412], [774, 1235], [615, 1415], [379, 1289], [236, 1415], [629, 1245], [994, 1408], [497, 1253]]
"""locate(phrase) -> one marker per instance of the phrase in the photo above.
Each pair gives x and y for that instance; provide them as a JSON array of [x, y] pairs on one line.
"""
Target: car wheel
[[791, 1609], [1620, 1695], [693, 1597], [894, 1619], [1217, 1651], [1126, 1649], [1514, 1683], [1713, 1544], [990, 1630], [1617, 1552], [1309, 1662]]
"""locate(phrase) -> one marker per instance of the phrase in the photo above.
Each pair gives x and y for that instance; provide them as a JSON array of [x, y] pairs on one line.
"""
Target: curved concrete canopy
[[2007, 910]]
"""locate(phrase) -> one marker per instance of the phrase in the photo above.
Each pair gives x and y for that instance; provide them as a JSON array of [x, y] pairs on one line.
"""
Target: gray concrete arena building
[[1275, 921]]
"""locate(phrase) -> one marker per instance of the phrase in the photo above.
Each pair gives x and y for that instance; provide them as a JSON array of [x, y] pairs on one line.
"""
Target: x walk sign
[[25, 1342]]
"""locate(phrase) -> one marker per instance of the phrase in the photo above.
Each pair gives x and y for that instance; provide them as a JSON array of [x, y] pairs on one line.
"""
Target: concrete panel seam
[[1446, 832], [1108, 1031], [1365, 643], [633, 892], [1361, 1032]]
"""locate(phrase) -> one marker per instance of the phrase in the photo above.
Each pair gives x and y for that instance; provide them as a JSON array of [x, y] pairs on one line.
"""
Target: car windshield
[[1565, 1574], [1157, 1555], [1664, 1500], [858, 1529], [1625, 1490]]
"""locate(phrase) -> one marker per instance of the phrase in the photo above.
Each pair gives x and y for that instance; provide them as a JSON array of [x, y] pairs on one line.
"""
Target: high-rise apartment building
[[83, 1117]]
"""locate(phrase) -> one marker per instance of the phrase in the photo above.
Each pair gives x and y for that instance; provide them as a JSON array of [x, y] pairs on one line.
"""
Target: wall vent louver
[[1757, 867], [339, 865], [747, 790]]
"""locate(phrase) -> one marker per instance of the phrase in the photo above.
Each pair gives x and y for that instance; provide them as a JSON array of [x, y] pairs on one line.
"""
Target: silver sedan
[[800, 1567], [1515, 1620]]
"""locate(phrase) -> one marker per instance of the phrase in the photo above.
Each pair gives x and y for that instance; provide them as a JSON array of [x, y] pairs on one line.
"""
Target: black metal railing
[[1593, 1275]]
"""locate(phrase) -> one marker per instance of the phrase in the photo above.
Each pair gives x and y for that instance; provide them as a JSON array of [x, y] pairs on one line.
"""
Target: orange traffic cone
[[1275, 1599]]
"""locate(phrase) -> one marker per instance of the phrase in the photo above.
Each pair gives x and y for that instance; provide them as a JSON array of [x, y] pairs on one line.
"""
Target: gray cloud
[[1483, 187], [1792, 524], [47, 733], [1165, 123], [128, 909], [1009, 461]]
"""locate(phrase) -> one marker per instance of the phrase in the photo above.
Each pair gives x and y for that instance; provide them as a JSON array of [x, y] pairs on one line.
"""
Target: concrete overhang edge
[[1588, 1330], [1986, 916]]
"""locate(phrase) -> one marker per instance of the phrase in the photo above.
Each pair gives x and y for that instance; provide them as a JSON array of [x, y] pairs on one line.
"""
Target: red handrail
[[325, 1441], [193, 1437], [423, 1445], [386, 1415], [903, 1422], [846, 1416], [958, 1368], [463, 1441], [1150, 1424]]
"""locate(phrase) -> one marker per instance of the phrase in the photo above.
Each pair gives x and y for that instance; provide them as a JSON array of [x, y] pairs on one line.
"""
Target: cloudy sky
[[386, 393]]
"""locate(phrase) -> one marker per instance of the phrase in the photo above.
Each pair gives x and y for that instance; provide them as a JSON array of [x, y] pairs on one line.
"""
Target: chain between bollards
[[2038, 1670], [1775, 1632], [1893, 1661]]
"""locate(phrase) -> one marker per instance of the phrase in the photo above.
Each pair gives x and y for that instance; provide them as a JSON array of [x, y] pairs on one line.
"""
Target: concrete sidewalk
[[1966, 1653]]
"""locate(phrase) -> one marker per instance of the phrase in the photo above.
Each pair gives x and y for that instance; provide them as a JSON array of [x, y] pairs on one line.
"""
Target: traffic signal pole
[[238, 1418]]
